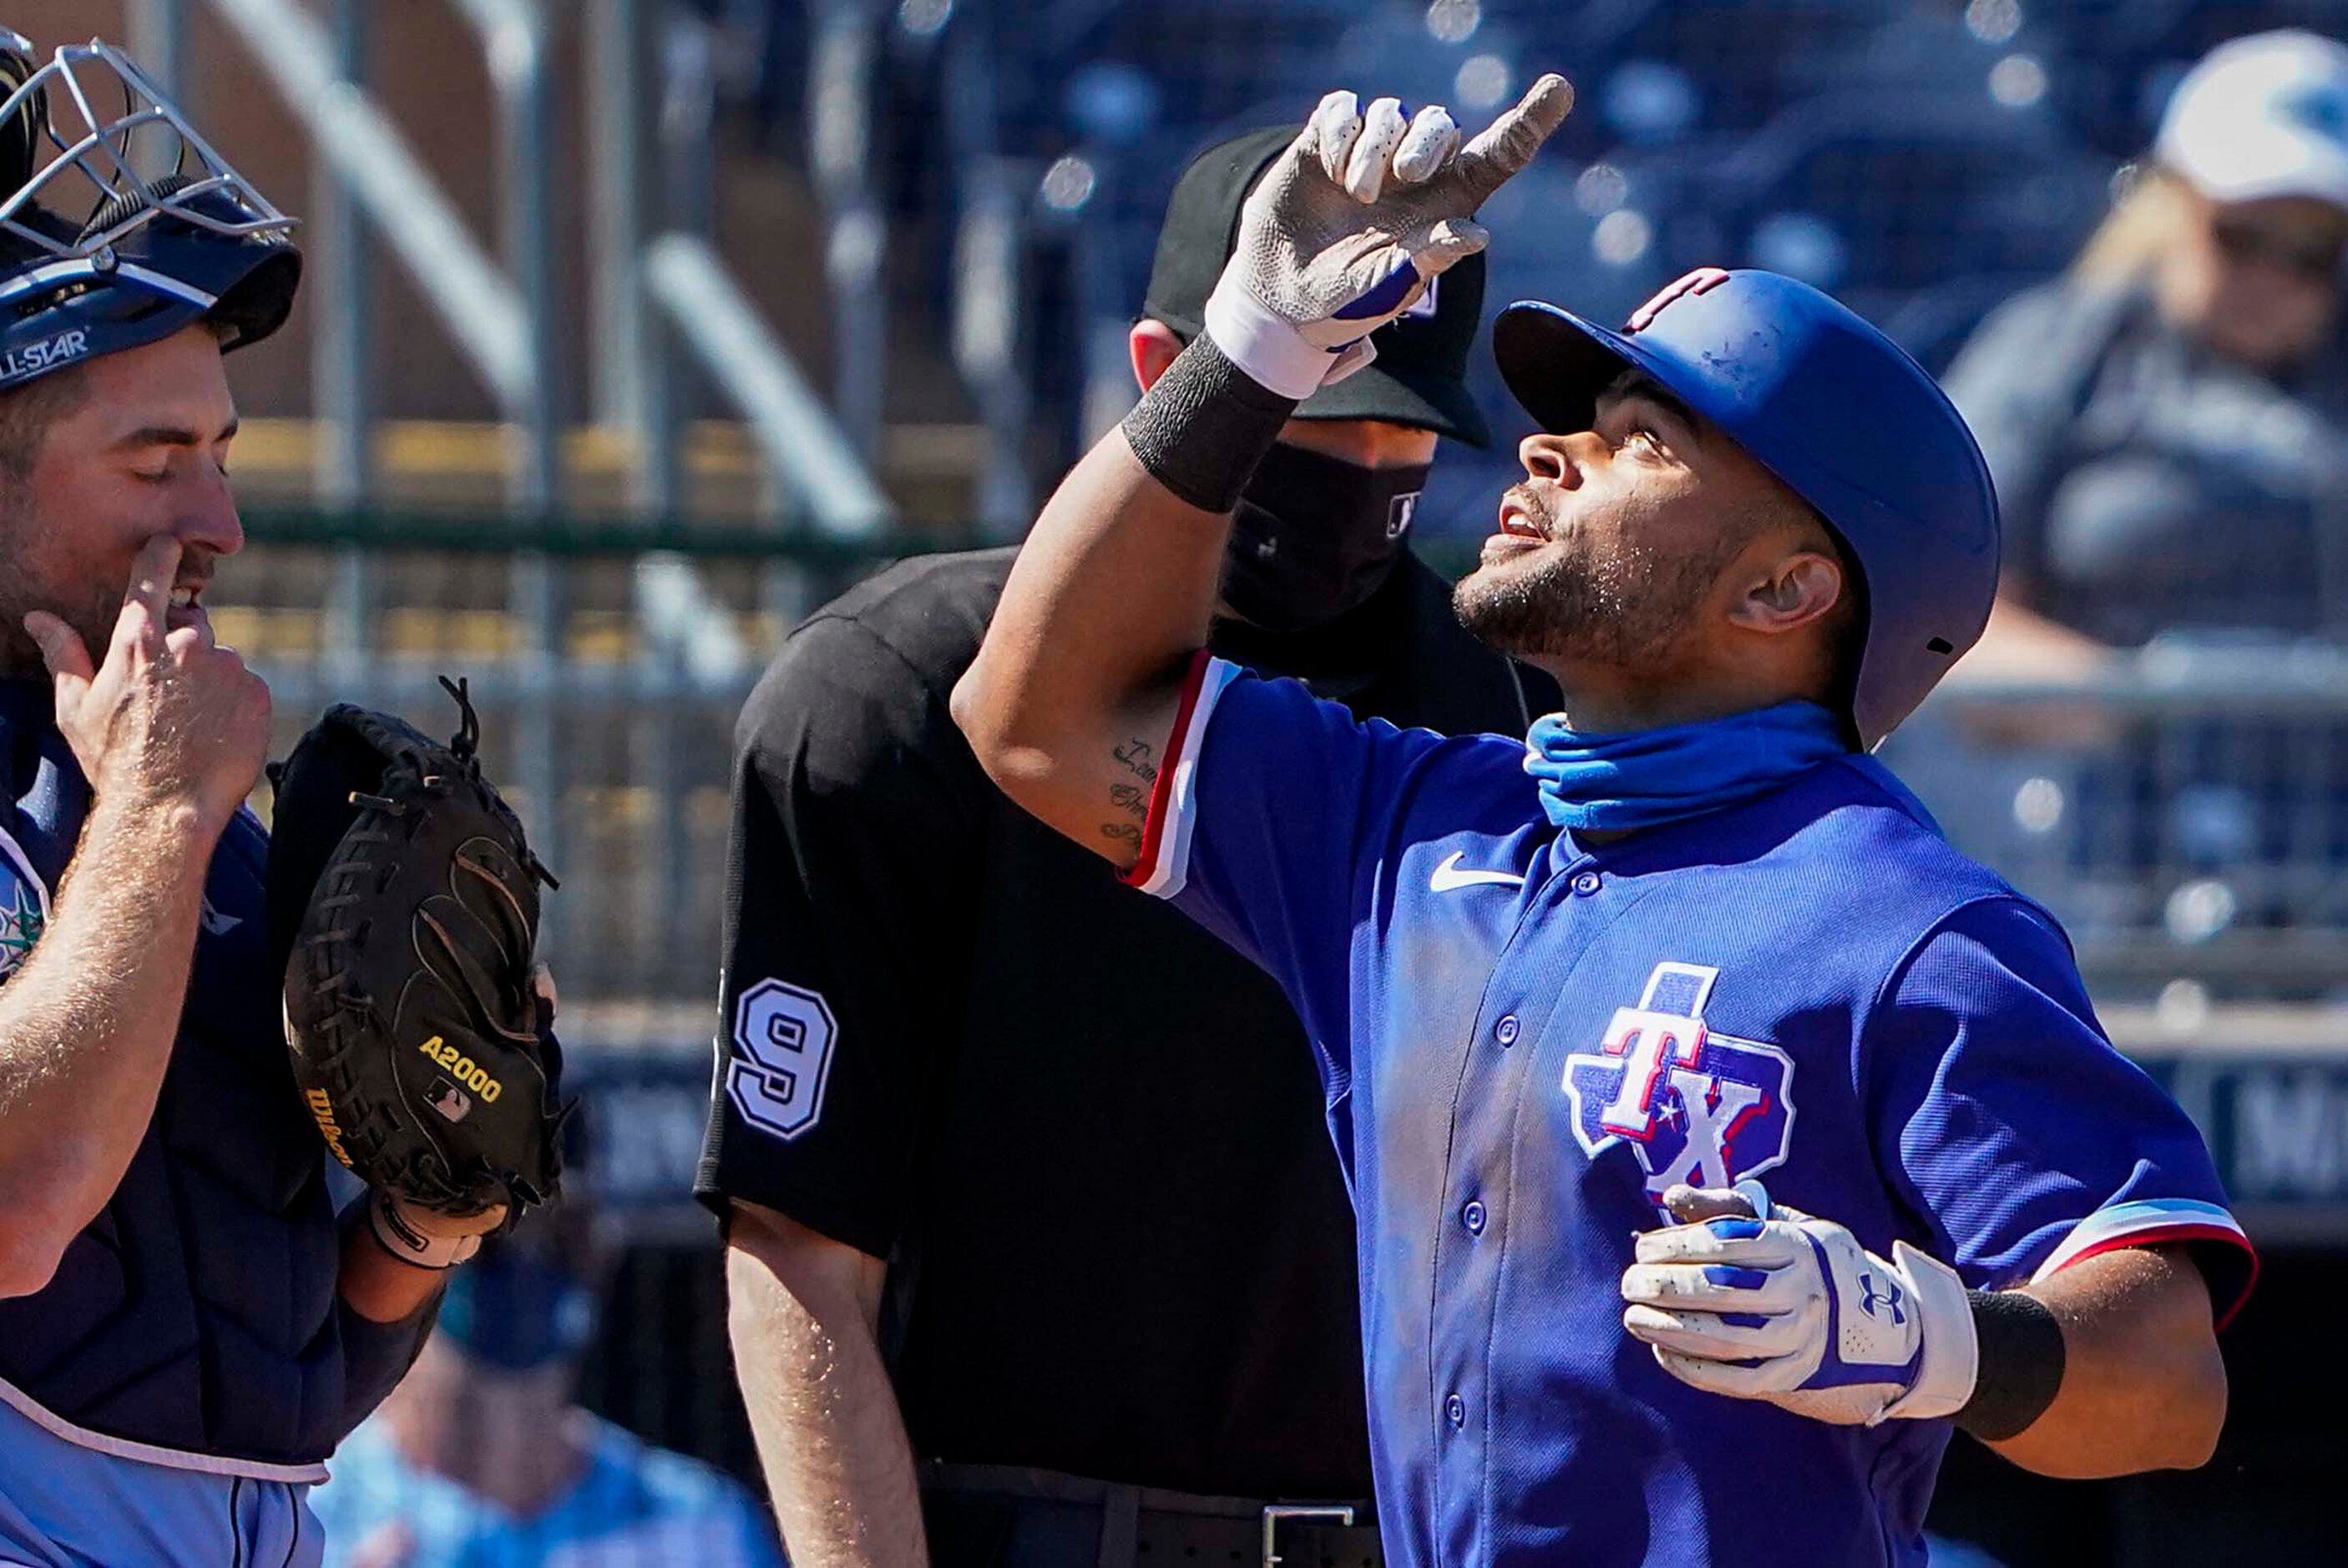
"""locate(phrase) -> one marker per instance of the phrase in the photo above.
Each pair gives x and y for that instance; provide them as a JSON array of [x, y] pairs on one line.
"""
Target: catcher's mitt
[[403, 904]]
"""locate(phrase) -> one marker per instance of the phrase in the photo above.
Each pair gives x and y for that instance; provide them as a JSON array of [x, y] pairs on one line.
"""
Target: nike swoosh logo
[[1448, 876]]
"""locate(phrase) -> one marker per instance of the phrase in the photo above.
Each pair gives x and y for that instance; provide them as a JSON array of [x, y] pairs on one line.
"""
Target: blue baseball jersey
[[1524, 1040], [191, 1357]]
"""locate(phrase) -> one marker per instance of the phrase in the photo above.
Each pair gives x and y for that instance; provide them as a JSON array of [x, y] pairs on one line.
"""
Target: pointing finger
[[1383, 128], [1426, 146], [150, 591], [1508, 143], [1335, 127]]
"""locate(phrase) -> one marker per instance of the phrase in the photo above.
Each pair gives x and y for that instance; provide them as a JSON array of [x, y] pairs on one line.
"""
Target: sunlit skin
[[1656, 571], [143, 452], [2246, 301]]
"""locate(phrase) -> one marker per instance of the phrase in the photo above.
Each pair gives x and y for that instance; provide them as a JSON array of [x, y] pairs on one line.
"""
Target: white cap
[[2260, 116]]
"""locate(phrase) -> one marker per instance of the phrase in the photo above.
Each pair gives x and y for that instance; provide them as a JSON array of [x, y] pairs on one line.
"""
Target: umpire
[[186, 1330], [1113, 1288]]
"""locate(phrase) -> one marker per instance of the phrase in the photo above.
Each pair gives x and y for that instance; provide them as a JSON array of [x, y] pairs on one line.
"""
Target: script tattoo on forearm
[[1135, 756]]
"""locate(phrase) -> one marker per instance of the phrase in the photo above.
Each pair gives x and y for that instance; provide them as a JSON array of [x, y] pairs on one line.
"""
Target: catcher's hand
[[403, 899], [1759, 1301], [1345, 229]]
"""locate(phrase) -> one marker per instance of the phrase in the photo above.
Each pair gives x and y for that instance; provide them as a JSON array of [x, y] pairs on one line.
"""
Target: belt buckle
[[1278, 1514]]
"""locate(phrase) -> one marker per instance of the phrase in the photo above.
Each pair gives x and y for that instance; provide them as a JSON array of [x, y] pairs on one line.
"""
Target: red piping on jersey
[[2180, 1234], [1161, 788]]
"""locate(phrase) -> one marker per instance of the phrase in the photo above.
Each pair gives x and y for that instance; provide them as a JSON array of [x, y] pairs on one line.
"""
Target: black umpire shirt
[[1086, 1136]]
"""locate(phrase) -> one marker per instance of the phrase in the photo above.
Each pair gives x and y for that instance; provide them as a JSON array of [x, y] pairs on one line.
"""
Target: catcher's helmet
[[117, 228], [1837, 412]]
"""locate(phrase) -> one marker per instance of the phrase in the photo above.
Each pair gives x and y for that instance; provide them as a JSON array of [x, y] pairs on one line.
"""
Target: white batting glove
[[1345, 229], [417, 1235], [1763, 1302]]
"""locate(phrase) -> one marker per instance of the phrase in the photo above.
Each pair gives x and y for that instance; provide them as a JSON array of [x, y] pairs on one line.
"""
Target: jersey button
[[1504, 1031], [1472, 1216], [1455, 1410], [1586, 883]]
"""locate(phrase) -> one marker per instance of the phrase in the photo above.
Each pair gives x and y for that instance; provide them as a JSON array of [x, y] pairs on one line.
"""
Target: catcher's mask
[[119, 225]]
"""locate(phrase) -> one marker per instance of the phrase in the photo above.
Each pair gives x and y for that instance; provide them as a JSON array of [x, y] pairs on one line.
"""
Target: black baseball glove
[[403, 904]]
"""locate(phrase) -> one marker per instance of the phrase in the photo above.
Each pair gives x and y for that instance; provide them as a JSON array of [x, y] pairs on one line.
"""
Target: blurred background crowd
[[636, 328]]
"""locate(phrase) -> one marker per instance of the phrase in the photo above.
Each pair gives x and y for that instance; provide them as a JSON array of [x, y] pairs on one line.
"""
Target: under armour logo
[[1888, 1296]]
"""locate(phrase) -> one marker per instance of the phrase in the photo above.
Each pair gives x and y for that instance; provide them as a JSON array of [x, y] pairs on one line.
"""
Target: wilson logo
[[322, 1111]]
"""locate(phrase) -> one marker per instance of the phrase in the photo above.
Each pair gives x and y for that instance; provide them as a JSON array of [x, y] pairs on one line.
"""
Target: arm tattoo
[[1135, 755]]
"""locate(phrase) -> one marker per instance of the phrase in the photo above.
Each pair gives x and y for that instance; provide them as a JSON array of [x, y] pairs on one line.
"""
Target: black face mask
[[1314, 537]]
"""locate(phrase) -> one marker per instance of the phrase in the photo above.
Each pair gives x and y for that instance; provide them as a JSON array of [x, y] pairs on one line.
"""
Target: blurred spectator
[[2164, 422], [481, 1460]]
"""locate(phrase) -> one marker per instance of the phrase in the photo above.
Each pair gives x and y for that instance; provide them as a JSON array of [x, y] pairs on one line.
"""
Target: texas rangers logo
[[1696, 1107], [1704, 280]]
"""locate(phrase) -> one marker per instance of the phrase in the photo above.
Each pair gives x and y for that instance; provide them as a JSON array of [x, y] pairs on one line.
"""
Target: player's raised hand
[[1345, 228], [169, 717]]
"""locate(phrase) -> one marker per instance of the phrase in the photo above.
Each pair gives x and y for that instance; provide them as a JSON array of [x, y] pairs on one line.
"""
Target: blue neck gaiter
[[1610, 783]]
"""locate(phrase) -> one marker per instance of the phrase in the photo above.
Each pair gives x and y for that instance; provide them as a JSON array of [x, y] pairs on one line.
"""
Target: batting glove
[[1345, 229], [1759, 1301]]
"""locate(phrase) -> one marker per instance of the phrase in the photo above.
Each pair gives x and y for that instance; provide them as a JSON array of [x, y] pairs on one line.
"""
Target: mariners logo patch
[[21, 924], [1705, 1108]]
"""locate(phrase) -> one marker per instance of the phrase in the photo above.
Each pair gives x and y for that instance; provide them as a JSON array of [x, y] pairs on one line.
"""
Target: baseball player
[[186, 1329], [1719, 1137], [1076, 1269]]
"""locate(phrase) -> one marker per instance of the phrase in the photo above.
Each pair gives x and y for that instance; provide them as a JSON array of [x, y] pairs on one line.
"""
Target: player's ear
[[1152, 345], [1790, 591]]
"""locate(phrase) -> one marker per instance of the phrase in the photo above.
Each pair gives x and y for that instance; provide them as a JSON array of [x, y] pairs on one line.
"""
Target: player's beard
[[91, 612], [1578, 600]]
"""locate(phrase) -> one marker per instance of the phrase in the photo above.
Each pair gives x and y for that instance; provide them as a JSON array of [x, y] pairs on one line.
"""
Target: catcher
[[187, 1326]]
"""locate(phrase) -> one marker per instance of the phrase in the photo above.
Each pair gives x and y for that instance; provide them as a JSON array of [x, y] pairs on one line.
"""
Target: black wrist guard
[[2020, 1366], [1202, 430]]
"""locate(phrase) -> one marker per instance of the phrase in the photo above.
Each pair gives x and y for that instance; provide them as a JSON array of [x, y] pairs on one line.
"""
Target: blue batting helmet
[[119, 224], [1838, 414]]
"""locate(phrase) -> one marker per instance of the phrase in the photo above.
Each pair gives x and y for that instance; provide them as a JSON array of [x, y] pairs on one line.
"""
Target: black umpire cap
[[1419, 378]]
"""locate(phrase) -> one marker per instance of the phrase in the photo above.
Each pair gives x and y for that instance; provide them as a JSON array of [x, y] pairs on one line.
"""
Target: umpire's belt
[[1042, 1518]]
